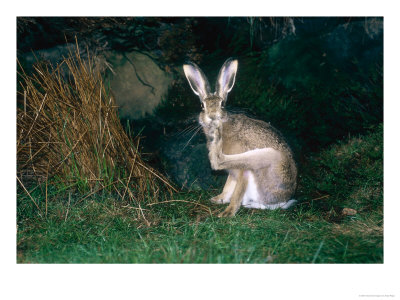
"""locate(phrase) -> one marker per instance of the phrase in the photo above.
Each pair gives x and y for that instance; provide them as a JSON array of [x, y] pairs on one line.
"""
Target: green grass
[[101, 229]]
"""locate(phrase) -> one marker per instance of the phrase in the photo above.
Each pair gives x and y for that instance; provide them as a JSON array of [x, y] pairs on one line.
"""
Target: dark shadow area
[[318, 80]]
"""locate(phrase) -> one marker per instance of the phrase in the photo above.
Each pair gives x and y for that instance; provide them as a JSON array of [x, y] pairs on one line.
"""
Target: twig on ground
[[69, 202]]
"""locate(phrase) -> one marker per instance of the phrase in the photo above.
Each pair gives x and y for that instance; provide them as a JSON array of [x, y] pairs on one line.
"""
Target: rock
[[137, 82], [188, 164]]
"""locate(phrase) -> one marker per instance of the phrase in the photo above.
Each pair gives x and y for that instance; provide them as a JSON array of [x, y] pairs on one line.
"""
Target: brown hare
[[261, 170]]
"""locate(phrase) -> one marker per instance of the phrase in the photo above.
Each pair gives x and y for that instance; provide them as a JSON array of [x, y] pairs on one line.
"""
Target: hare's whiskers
[[187, 129], [194, 128], [192, 137]]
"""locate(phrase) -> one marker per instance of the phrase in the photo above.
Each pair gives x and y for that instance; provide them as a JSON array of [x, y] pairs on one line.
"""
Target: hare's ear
[[226, 78], [197, 80]]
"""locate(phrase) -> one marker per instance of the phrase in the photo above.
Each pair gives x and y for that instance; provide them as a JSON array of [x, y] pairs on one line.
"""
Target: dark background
[[317, 79]]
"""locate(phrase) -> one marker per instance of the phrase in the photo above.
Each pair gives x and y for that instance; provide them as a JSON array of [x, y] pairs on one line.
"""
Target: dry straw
[[69, 129]]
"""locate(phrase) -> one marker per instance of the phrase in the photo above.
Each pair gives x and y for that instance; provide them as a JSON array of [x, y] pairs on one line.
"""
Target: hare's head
[[212, 103]]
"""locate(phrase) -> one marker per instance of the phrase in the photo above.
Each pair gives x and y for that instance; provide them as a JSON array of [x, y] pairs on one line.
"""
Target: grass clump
[[69, 135]]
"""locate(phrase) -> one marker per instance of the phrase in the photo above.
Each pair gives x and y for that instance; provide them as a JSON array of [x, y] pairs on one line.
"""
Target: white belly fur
[[251, 196]]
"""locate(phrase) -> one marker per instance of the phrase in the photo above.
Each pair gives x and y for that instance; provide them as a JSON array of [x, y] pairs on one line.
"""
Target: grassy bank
[[339, 220]]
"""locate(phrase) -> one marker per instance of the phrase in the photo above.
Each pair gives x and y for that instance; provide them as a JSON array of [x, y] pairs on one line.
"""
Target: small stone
[[349, 211], [269, 259]]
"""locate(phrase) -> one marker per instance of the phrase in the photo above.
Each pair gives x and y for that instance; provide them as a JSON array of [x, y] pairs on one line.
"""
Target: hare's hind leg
[[276, 189], [225, 196], [237, 195]]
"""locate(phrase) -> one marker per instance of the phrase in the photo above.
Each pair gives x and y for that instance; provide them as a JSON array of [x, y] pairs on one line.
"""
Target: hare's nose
[[216, 115], [213, 116]]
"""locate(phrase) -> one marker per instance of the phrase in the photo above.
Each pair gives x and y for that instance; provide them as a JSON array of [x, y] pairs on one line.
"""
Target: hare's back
[[241, 133]]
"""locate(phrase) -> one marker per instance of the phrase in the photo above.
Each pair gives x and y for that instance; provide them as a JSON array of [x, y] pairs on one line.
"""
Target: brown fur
[[241, 145]]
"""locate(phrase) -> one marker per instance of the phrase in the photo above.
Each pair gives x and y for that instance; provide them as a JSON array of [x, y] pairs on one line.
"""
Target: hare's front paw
[[219, 199], [214, 164], [215, 159]]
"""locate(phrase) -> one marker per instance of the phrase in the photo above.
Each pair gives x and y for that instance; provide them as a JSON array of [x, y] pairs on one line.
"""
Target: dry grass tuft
[[69, 129]]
